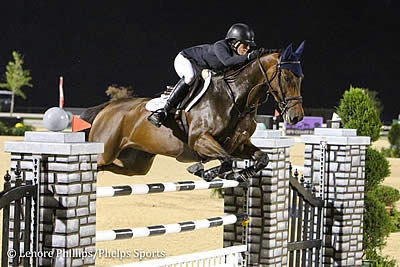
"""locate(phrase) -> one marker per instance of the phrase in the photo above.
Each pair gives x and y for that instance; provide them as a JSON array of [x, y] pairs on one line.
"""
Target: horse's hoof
[[196, 169]]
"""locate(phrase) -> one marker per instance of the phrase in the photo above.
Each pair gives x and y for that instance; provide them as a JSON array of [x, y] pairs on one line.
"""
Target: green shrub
[[382, 261], [217, 192], [395, 216], [377, 226], [358, 112], [387, 152], [386, 194], [18, 130], [376, 168], [391, 152], [3, 129], [394, 135], [377, 222], [396, 152]]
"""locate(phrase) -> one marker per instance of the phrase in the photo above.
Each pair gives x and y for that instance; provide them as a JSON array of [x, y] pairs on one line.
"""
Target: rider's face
[[242, 49]]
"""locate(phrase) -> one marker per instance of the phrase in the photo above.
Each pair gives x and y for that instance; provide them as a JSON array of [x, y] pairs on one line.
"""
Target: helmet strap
[[234, 45]]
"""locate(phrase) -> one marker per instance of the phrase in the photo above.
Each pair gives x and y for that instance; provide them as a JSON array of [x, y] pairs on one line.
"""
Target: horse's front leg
[[209, 148], [198, 170], [248, 150]]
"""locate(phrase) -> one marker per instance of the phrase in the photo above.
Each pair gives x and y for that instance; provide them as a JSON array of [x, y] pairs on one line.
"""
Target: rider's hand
[[255, 54]]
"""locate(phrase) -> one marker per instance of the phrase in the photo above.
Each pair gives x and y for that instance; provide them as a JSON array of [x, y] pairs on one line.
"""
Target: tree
[[16, 78], [358, 112]]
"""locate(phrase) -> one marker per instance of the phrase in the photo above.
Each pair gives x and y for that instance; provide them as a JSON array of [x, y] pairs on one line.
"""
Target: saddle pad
[[157, 103]]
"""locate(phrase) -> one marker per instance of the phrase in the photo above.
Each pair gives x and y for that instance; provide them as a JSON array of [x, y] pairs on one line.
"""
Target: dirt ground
[[165, 208]]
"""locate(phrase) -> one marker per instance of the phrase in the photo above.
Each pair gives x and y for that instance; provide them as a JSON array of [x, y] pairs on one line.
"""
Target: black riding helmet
[[242, 33]]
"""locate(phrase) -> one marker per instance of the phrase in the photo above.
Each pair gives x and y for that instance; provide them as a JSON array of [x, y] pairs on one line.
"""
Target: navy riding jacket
[[216, 57]]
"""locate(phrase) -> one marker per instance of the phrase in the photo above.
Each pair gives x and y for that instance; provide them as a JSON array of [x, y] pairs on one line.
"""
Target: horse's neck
[[245, 87]]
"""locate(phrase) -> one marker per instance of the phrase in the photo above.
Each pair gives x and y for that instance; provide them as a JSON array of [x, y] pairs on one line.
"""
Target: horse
[[218, 127]]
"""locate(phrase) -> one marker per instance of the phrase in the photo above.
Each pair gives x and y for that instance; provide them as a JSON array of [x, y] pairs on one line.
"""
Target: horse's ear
[[300, 49], [288, 52]]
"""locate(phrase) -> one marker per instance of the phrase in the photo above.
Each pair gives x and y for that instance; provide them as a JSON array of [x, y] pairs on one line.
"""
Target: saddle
[[197, 90]]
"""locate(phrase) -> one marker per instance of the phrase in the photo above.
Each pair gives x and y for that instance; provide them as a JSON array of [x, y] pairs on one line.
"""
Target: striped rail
[[141, 189], [130, 233], [230, 256]]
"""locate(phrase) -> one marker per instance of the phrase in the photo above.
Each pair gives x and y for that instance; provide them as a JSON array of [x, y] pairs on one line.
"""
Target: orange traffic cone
[[79, 124]]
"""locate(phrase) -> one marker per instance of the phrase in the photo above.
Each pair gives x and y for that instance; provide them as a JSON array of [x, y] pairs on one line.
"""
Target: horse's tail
[[90, 114]]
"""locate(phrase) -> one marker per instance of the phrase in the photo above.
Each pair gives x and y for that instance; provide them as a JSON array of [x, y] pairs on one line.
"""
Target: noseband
[[283, 102]]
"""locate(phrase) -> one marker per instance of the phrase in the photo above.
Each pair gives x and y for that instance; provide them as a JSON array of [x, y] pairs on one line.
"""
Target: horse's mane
[[272, 50], [236, 70]]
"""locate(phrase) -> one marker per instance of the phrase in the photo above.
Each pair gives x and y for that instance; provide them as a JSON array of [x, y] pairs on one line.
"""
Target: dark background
[[94, 44]]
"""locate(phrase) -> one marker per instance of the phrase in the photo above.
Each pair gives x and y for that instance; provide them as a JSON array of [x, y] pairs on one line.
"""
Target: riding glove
[[255, 54]]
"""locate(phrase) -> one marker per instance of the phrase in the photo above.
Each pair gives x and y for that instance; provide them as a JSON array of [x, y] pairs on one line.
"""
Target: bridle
[[283, 102]]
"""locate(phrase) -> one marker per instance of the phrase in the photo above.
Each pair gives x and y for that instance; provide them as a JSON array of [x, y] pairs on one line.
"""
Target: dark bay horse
[[219, 126]]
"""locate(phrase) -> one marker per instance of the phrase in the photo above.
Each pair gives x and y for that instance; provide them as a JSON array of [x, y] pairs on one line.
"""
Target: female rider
[[223, 54]]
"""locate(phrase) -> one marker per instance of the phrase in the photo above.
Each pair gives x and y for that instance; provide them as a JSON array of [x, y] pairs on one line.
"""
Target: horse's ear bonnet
[[291, 60]]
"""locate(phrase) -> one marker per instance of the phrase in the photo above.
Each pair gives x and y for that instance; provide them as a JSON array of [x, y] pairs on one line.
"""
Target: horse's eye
[[287, 78]]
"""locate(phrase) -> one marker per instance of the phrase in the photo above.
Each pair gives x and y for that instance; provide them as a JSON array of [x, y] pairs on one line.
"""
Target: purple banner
[[308, 123]]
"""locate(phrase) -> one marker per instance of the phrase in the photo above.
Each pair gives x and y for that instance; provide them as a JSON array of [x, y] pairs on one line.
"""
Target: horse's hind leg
[[132, 161]]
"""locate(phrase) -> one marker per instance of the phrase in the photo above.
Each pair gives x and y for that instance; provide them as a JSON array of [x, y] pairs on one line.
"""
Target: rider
[[231, 51]]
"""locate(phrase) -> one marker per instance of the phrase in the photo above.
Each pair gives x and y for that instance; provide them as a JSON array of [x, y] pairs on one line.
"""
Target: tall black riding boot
[[179, 92]]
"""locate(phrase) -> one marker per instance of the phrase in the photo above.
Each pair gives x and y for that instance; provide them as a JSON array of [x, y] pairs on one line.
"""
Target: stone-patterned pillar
[[268, 200], [344, 191], [68, 173]]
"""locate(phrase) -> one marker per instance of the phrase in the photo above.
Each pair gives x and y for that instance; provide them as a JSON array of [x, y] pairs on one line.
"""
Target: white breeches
[[184, 68]]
